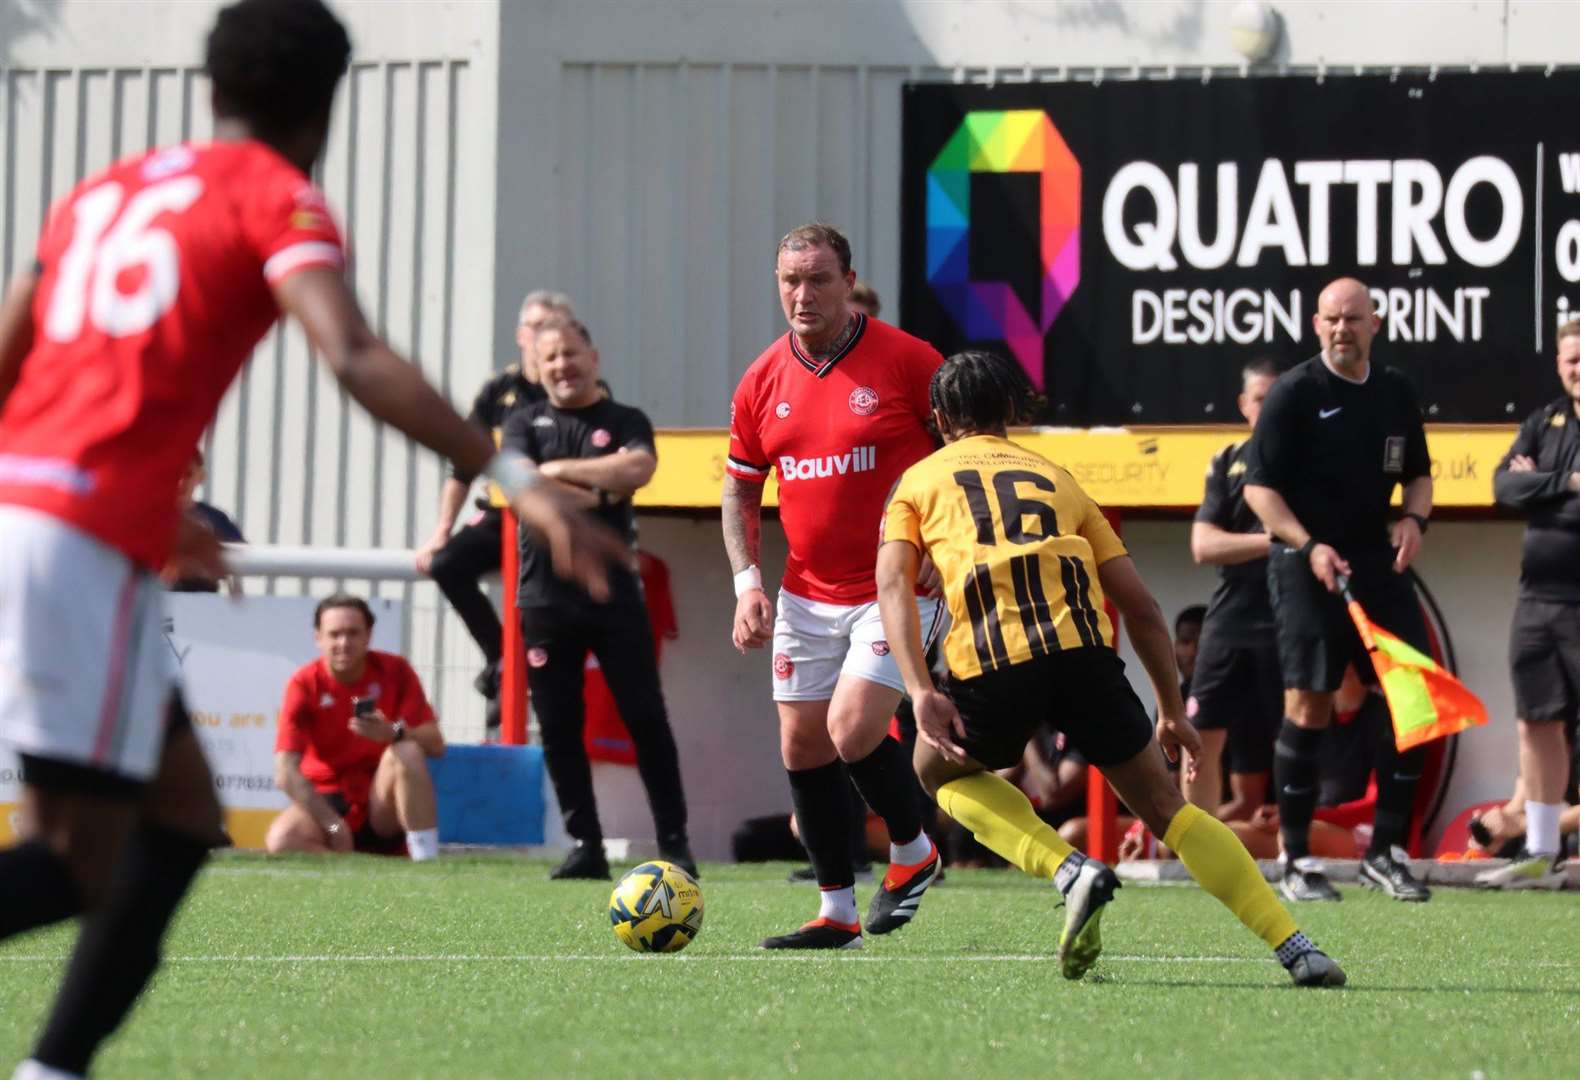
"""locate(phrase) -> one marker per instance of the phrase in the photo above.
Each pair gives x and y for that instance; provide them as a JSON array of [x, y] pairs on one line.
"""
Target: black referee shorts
[[1238, 687], [1544, 660], [1316, 639], [1081, 692]]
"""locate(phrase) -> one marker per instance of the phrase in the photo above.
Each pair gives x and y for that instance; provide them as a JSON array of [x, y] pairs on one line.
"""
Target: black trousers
[[469, 554], [557, 643]]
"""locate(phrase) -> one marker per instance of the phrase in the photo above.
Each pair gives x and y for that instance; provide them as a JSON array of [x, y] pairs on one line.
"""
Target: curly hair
[[275, 63], [981, 391]]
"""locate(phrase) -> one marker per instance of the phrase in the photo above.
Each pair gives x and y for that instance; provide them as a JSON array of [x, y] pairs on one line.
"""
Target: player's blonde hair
[[817, 234]]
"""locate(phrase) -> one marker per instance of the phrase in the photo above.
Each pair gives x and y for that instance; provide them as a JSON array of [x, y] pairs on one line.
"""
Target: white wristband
[[513, 471], [750, 578]]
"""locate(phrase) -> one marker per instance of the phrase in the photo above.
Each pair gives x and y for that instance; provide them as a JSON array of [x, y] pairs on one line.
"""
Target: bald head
[[1346, 322], [1342, 289]]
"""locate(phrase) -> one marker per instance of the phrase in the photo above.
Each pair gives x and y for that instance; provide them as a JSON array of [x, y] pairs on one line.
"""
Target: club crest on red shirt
[[782, 410], [783, 667], [863, 401]]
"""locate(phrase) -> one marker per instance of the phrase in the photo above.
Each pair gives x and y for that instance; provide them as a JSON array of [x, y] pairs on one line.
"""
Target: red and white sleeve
[[291, 229], [746, 460]]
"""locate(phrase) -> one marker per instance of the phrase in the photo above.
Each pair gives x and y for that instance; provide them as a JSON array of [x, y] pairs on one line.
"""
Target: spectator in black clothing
[[1187, 634], [218, 522], [1236, 699], [1337, 434], [1540, 476], [457, 563], [600, 454]]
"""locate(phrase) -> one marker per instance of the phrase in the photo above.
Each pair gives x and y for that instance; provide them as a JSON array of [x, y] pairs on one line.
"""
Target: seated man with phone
[[354, 734]]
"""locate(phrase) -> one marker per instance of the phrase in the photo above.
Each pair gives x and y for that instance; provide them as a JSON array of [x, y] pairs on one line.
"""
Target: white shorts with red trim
[[85, 671], [815, 643]]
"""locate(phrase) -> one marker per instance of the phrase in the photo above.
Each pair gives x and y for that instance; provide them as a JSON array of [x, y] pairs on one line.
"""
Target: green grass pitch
[[479, 966]]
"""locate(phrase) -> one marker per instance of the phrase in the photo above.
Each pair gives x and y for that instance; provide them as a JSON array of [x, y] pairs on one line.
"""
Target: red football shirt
[[839, 433], [315, 721], [155, 285]]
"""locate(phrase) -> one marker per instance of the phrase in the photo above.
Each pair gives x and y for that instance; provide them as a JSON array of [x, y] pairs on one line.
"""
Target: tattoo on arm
[[742, 507]]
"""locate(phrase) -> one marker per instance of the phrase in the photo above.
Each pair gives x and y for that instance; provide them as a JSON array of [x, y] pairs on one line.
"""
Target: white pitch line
[[758, 956]]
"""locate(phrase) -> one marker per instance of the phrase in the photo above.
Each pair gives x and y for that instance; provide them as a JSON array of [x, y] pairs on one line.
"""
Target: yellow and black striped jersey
[[1017, 544]]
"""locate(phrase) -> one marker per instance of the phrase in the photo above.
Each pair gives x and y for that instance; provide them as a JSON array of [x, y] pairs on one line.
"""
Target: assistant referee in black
[[1336, 435], [601, 453]]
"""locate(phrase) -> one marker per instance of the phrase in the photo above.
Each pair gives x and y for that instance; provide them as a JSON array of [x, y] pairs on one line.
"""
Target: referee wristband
[[513, 472], [1421, 520], [750, 578]]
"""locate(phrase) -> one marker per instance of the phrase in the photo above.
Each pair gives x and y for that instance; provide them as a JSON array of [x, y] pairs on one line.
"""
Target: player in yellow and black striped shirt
[[1026, 559], [1020, 540]]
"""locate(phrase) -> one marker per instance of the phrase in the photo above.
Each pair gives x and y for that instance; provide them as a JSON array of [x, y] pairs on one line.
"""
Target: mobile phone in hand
[[363, 706]]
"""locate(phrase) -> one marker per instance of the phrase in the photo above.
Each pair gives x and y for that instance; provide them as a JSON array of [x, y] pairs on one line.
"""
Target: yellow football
[[657, 907]]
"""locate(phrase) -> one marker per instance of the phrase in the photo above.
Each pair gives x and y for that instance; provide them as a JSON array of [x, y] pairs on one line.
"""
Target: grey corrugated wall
[[409, 172]]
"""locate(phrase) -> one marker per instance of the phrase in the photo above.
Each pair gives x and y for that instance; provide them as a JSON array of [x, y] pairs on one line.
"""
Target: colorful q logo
[[1022, 140]]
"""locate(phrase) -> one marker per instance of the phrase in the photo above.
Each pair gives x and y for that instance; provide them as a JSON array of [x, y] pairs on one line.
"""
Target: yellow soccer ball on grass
[[656, 907]]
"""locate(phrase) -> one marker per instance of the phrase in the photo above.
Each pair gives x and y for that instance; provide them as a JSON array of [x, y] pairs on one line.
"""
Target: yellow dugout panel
[[1134, 467]]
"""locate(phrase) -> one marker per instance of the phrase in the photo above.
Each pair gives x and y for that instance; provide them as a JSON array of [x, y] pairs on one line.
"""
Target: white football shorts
[[86, 674], [815, 643]]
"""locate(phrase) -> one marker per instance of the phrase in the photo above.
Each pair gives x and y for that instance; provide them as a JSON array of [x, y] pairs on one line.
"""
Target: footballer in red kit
[[838, 432], [153, 281], [838, 408], [113, 399]]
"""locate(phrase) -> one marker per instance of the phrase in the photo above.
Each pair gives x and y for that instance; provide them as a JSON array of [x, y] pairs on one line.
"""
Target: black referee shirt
[[1550, 563], [546, 433], [500, 396], [1335, 450], [1239, 609]]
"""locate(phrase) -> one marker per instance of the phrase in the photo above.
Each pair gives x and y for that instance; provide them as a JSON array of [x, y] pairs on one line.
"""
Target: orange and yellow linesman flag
[[1426, 702]]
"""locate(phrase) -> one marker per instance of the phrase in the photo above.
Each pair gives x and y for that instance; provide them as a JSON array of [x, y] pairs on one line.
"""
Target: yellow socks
[[1221, 865], [1001, 817]]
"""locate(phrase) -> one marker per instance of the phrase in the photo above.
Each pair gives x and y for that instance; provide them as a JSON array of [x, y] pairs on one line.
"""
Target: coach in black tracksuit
[[1540, 476], [457, 561], [1236, 695], [1337, 434], [600, 453]]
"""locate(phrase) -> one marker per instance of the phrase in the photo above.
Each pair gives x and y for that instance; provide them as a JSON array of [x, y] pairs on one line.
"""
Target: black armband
[[1304, 550]]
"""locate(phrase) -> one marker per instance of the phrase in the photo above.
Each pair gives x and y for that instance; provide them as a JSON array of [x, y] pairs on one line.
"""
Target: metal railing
[[431, 635]]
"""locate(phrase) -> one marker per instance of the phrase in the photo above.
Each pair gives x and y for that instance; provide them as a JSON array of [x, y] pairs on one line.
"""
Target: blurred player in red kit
[[153, 281]]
